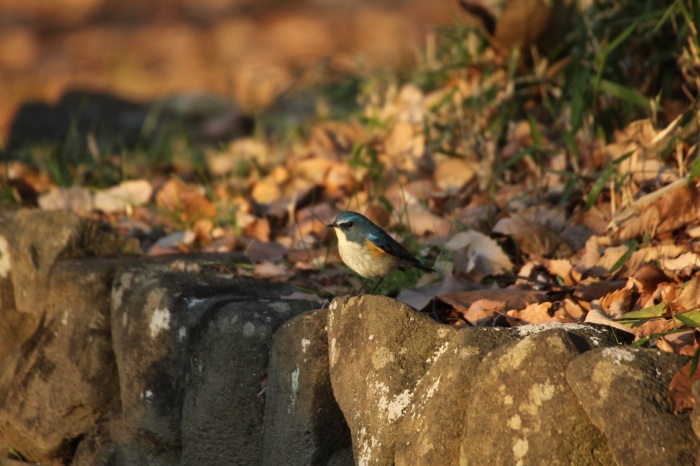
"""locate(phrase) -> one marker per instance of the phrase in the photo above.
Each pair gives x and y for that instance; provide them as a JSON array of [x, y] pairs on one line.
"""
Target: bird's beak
[[332, 225]]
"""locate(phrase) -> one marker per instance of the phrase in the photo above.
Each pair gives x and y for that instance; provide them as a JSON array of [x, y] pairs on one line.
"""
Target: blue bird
[[369, 250]]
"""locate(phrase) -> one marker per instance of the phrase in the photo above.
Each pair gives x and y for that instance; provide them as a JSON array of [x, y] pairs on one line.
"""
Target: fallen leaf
[[596, 316], [685, 263], [419, 298], [477, 256], [592, 254], [453, 174], [618, 302], [264, 251], [682, 343], [269, 270], [536, 313], [661, 211], [561, 268], [483, 307], [74, 199], [266, 191], [258, 229], [422, 221], [127, 194], [532, 238], [340, 181], [169, 244], [596, 290], [689, 297], [647, 279], [187, 202], [680, 393], [484, 312]]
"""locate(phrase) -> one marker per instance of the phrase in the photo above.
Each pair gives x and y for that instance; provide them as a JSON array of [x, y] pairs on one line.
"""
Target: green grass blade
[[598, 186], [691, 319], [631, 247], [646, 313], [626, 94]]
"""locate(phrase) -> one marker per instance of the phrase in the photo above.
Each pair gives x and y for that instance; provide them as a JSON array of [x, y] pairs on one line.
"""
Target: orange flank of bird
[[375, 250]]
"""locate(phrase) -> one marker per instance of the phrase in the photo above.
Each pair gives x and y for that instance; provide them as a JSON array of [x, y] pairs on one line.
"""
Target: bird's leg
[[377, 285], [362, 288]]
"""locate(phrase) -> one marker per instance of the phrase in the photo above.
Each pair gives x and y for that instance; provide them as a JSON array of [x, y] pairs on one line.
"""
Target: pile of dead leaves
[[520, 232]]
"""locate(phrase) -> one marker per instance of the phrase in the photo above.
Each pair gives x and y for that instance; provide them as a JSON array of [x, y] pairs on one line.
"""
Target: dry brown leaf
[[647, 279], [203, 230], [693, 232], [676, 209], [561, 268], [239, 151], [683, 343], [266, 191], [453, 174], [188, 201], [484, 312], [420, 298], [592, 254], [404, 139], [638, 259], [532, 238], [596, 290], [652, 170], [476, 255], [74, 199], [170, 244], [536, 313], [125, 195], [684, 264], [258, 229], [341, 180], [422, 221], [653, 326], [680, 393], [509, 297], [269, 270], [573, 311], [617, 303], [689, 297], [596, 316], [312, 220], [609, 258], [264, 251]]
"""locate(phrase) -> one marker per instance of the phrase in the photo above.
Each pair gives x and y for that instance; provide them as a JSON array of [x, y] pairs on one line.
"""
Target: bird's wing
[[390, 245], [382, 240]]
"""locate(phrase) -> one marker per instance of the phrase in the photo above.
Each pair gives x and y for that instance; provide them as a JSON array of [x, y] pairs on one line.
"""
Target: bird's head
[[351, 226]]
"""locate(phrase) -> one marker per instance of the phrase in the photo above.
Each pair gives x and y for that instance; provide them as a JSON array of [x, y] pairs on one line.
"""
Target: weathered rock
[[110, 442], [191, 356], [31, 241], [378, 349], [303, 423], [623, 391], [522, 411], [64, 377], [431, 430]]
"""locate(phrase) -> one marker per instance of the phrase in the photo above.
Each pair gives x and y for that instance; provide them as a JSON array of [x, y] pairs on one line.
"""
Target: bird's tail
[[421, 266]]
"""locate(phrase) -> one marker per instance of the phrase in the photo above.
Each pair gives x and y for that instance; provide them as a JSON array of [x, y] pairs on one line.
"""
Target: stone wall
[[112, 358]]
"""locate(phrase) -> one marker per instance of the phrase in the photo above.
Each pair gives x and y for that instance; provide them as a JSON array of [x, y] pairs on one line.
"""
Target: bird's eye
[[347, 224]]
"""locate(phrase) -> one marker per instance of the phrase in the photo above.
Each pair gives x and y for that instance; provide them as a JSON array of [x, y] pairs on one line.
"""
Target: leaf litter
[[540, 221]]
